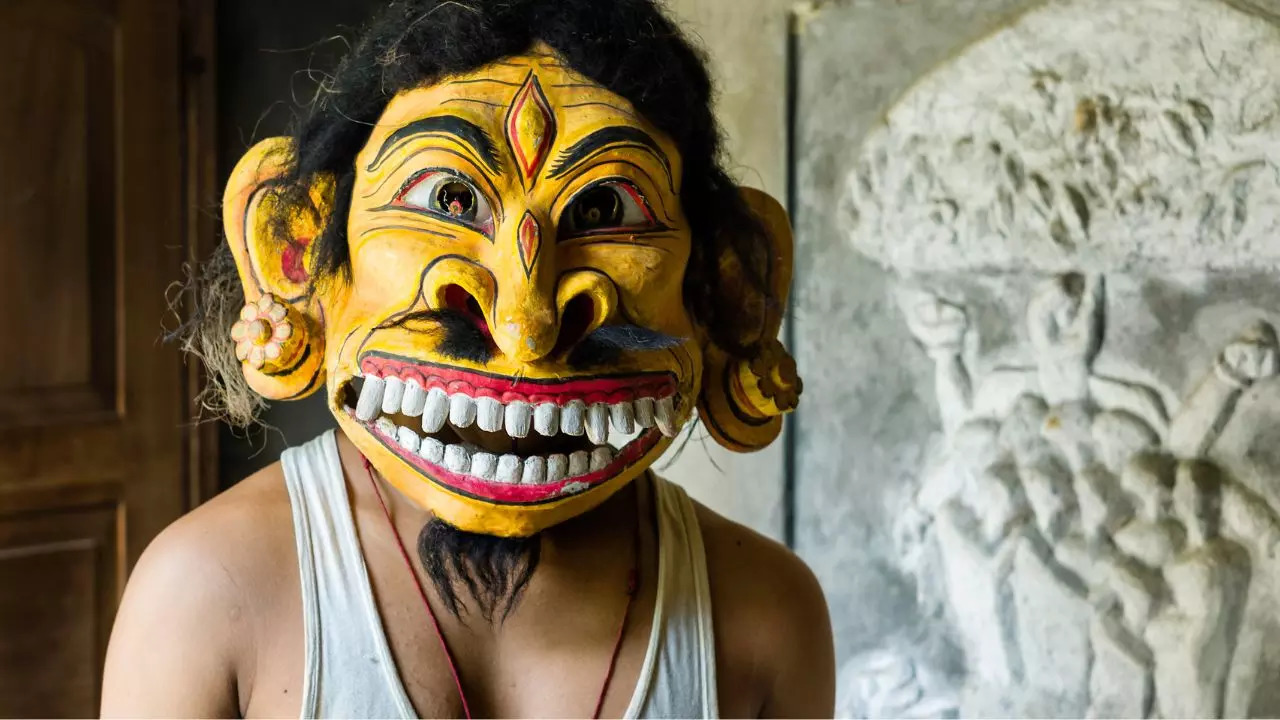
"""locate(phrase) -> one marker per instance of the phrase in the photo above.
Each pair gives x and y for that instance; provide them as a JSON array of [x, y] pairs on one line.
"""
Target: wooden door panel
[[58, 159], [94, 429], [59, 577]]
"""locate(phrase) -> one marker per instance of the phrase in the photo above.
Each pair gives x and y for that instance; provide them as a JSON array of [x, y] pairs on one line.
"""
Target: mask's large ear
[[744, 398], [280, 336]]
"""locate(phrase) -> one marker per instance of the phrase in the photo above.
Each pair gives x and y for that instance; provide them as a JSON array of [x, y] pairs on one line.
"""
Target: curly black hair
[[630, 47]]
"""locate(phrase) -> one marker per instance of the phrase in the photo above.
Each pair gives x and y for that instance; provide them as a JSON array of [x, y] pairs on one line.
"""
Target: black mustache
[[464, 340], [462, 337], [606, 345]]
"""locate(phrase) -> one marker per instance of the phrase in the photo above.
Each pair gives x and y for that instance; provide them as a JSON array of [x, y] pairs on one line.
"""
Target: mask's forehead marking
[[530, 128], [530, 242]]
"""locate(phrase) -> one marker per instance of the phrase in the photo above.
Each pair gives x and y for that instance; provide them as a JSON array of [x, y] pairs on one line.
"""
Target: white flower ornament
[[263, 332]]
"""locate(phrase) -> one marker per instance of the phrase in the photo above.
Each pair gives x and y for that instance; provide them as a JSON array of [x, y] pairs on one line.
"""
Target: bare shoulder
[[195, 601], [228, 545], [755, 567], [773, 625]]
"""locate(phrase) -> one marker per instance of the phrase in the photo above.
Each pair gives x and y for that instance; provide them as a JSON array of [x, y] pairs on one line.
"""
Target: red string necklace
[[633, 585]]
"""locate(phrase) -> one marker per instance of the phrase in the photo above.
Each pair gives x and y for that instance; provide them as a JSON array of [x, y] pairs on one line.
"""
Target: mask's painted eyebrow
[[603, 138], [464, 131]]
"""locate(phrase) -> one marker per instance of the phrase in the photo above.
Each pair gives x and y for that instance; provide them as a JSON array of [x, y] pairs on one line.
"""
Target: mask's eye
[[607, 206], [447, 195]]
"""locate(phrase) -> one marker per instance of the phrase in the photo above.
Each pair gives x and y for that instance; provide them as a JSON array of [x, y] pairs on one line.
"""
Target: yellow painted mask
[[516, 295]]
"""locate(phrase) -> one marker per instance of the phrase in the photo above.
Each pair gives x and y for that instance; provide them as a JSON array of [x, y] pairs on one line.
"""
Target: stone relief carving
[[1089, 556], [1080, 154], [883, 684], [1075, 528]]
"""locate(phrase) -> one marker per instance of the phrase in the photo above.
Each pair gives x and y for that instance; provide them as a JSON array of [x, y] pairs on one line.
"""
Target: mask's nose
[[524, 322], [538, 311], [531, 308]]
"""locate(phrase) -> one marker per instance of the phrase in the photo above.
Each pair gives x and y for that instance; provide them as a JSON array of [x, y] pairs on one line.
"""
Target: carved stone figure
[[885, 684], [1194, 638], [1082, 558], [1082, 244]]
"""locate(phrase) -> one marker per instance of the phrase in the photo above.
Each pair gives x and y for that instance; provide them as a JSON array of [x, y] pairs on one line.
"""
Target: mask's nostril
[[457, 298], [579, 316]]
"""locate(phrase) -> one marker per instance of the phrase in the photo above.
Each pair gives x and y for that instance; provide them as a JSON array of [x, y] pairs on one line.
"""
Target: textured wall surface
[[1037, 306]]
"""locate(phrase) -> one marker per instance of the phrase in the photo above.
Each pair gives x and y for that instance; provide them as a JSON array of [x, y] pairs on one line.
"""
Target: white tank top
[[349, 670]]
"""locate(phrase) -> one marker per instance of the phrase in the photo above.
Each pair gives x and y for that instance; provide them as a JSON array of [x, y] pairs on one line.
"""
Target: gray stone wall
[[1036, 307]]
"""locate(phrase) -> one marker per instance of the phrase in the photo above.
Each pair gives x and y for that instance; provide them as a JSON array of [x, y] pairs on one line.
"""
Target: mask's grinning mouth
[[526, 443]]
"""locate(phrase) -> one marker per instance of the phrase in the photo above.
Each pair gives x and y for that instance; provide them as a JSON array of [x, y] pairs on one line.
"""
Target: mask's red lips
[[608, 389]]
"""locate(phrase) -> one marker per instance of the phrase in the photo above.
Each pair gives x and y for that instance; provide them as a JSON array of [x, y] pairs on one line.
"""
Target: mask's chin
[[523, 448]]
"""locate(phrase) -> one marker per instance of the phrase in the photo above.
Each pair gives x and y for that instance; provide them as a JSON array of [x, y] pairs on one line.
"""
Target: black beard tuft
[[493, 571]]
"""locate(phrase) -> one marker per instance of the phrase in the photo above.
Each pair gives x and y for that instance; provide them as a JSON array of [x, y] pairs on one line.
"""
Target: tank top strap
[[348, 669], [679, 675]]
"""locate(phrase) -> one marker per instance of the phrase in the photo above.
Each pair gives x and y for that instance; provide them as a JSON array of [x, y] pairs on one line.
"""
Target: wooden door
[[94, 450]]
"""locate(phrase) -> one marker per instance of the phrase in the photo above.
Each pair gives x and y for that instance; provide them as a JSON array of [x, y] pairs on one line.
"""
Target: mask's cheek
[[393, 264], [347, 335], [648, 275]]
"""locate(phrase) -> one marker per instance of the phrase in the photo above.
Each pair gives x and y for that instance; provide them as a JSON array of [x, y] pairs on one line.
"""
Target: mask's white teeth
[[386, 427], [370, 398], [557, 468], [392, 395], [415, 399], [579, 463], [535, 471], [462, 411], [546, 419], [573, 418], [408, 439], [623, 416], [665, 415], [601, 457], [432, 450], [519, 419], [484, 466], [436, 411], [644, 413], [598, 423], [489, 414], [381, 398], [457, 458], [510, 469]]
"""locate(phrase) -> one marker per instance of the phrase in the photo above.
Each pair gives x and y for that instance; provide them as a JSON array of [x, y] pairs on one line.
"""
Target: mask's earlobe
[[744, 398], [280, 335]]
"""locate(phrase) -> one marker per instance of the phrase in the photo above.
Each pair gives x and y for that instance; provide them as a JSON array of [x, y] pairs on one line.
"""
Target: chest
[[553, 658], [548, 660]]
